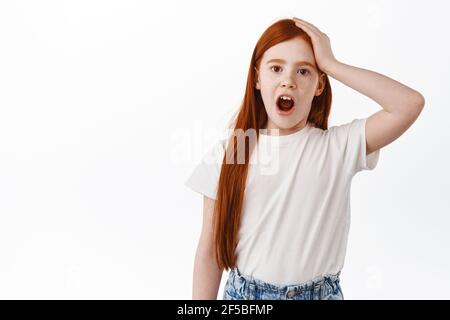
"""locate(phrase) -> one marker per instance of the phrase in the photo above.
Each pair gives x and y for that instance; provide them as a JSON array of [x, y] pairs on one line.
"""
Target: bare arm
[[207, 275], [401, 104]]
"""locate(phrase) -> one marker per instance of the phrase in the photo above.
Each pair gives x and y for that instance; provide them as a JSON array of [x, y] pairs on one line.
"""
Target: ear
[[320, 84], [257, 86]]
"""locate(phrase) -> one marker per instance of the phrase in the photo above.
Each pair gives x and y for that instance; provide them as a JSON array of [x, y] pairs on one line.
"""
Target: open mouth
[[285, 103]]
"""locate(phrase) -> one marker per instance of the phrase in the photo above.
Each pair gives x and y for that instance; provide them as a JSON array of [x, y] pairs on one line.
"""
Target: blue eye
[[305, 71]]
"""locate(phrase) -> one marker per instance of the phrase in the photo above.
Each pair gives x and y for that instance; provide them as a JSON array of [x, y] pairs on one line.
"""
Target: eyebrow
[[296, 63]]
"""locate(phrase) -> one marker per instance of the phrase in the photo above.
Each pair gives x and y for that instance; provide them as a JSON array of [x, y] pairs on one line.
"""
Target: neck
[[285, 131]]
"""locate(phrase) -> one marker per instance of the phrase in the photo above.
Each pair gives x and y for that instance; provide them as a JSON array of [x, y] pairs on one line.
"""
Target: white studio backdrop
[[107, 106]]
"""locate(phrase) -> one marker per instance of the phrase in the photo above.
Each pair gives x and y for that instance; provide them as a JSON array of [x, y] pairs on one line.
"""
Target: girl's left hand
[[321, 44]]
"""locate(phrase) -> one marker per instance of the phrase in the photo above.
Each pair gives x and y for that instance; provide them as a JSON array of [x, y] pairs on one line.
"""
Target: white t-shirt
[[296, 210]]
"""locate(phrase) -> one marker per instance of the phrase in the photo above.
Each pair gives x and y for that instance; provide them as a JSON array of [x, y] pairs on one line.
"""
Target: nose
[[288, 82]]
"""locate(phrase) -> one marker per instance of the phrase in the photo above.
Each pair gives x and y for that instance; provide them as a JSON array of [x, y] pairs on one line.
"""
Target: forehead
[[293, 50]]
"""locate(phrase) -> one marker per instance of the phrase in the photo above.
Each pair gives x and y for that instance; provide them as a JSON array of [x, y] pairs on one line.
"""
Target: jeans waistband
[[311, 284]]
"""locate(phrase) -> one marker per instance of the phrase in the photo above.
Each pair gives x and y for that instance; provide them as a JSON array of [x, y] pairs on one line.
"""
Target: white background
[[97, 96]]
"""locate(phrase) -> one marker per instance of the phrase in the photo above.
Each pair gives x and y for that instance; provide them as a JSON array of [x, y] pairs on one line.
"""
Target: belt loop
[[317, 290], [236, 270]]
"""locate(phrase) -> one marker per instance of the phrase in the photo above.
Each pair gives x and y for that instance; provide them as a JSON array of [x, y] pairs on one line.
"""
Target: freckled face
[[289, 67]]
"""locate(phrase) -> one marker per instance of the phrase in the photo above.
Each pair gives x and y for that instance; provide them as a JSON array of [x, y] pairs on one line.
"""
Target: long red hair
[[252, 115]]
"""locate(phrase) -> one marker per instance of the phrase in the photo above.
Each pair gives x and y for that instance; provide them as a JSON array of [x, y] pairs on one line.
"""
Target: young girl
[[281, 225]]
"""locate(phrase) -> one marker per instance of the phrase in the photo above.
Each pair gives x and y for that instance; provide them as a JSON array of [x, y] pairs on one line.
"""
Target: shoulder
[[343, 131], [346, 127], [340, 135]]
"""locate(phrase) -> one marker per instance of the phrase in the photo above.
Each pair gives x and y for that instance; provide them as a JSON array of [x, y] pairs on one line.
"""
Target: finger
[[307, 29], [311, 30], [313, 27], [304, 23], [307, 23]]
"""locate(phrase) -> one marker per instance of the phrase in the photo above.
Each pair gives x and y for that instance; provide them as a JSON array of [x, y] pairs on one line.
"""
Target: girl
[[281, 226]]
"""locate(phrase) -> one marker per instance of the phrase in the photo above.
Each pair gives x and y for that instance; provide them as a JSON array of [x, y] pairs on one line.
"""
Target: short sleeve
[[352, 142], [205, 176]]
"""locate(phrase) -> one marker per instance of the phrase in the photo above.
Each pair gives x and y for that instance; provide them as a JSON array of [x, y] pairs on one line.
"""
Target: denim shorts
[[244, 287]]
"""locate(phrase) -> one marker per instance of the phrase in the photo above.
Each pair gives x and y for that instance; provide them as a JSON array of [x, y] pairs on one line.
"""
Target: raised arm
[[401, 104], [207, 275]]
